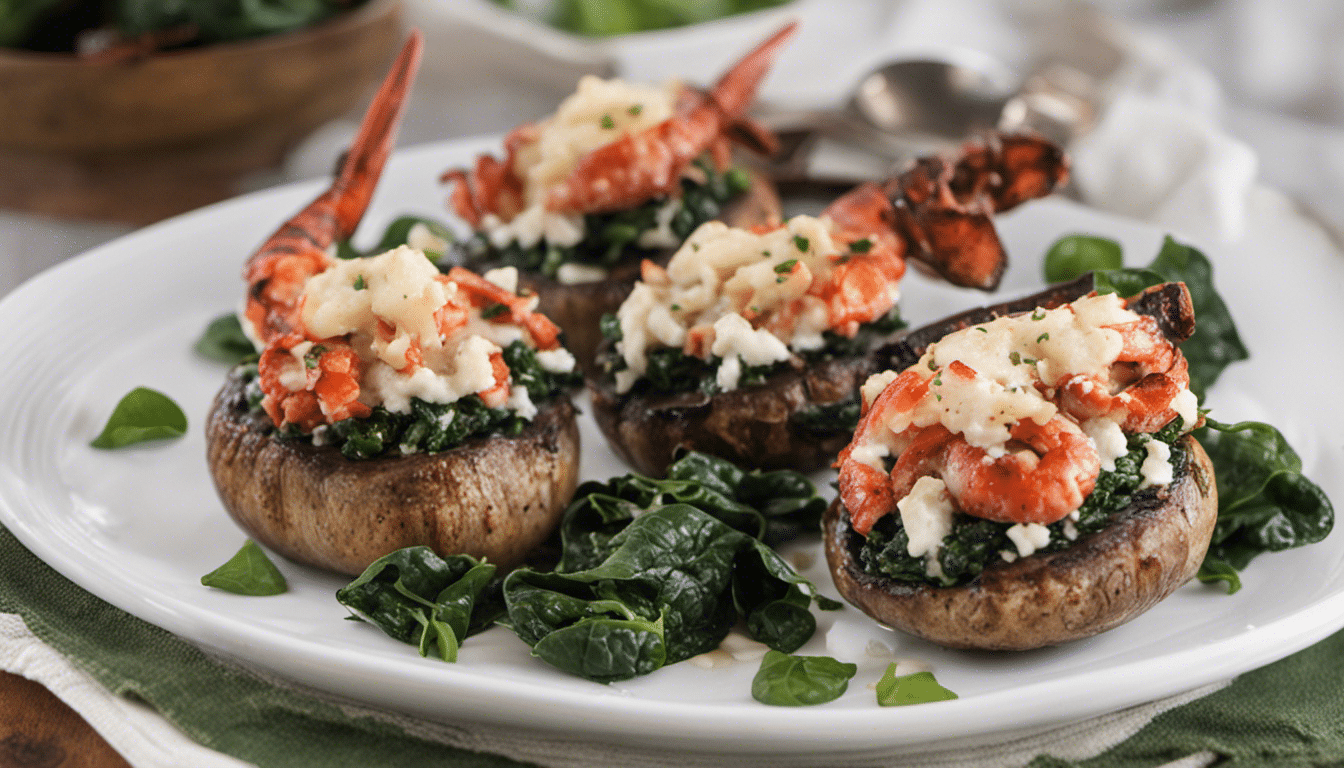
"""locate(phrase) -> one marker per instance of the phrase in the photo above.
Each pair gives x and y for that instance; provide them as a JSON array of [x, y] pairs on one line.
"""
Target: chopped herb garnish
[[1028, 361], [1038, 314], [932, 367], [786, 267], [765, 253], [938, 380], [676, 307], [313, 356], [250, 572], [801, 243], [1042, 337], [1015, 358], [635, 109], [861, 246], [493, 311], [360, 284], [608, 122], [982, 329]]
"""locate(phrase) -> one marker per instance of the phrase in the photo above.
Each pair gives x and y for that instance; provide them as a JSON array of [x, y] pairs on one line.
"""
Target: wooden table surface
[[38, 730]]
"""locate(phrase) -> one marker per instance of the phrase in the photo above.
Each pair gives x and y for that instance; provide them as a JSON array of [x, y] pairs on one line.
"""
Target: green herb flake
[[250, 572], [608, 122], [676, 307], [360, 284], [801, 243], [143, 414], [800, 681], [635, 109], [932, 366], [493, 311], [224, 340], [861, 246], [1014, 358], [1042, 337], [1029, 361], [313, 357], [918, 688], [982, 329], [786, 267], [1038, 314]]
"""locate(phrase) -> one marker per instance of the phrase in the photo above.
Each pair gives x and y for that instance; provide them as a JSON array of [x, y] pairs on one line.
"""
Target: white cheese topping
[[1107, 438], [725, 283], [401, 290], [926, 513], [1028, 537], [1156, 469], [597, 113]]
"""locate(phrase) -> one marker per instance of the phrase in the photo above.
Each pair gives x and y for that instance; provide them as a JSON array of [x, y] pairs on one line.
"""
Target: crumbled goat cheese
[[1028, 537], [1156, 469], [926, 513]]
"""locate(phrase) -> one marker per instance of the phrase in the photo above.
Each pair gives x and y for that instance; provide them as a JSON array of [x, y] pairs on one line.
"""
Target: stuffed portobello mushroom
[[621, 172], [752, 344], [1024, 475], [391, 405]]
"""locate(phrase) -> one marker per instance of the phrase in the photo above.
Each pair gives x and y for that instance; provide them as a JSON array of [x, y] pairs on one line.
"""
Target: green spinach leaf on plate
[[1265, 503], [433, 603], [143, 414], [800, 681]]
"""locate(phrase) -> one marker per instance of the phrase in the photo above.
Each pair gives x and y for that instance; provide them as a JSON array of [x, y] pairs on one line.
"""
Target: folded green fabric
[[1290, 713], [238, 714]]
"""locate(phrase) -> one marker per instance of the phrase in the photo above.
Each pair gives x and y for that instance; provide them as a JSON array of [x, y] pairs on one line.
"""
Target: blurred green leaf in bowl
[[604, 18]]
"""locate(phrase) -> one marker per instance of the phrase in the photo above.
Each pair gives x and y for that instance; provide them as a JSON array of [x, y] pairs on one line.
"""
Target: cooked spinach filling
[[974, 543], [433, 427], [614, 236], [670, 370]]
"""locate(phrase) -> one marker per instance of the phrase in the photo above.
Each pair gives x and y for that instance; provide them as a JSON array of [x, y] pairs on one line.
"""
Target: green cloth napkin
[[1290, 713], [218, 706]]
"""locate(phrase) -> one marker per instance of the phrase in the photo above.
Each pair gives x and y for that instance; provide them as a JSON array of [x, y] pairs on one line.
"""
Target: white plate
[[138, 527]]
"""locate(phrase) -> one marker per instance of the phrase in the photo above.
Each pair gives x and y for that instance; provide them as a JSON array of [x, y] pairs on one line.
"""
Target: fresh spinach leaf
[[1213, 569], [1265, 503], [1215, 343], [1075, 255], [417, 597], [143, 414], [224, 340], [800, 681], [675, 579], [917, 688], [250, 572]]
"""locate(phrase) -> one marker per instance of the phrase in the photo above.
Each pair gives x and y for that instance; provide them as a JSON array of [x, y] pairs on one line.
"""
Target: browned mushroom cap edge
[[1102, 580], [496, 497]]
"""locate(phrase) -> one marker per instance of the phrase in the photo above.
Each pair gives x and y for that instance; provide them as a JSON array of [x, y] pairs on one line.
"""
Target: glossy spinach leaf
[[1215, 343], [1073, 256], [800, 681], [143, 414], [224, 340], [1214, 570], [250, 572], [771, 506], [674, 581], [1265, 503], [417, 597], [917, 688]]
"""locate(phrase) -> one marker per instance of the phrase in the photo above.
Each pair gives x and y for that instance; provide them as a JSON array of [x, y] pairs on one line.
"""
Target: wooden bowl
[[137, 141]]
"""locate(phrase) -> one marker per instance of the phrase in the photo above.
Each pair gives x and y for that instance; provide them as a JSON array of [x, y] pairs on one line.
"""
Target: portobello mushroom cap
[[753, 426], [496, 497], [1099, 582]]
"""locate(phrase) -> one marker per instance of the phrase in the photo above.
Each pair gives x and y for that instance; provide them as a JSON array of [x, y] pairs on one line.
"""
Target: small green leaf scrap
[[250, 572], [143, 414], [917, 688], [800, 681], [1072, 256], [224, 340]]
